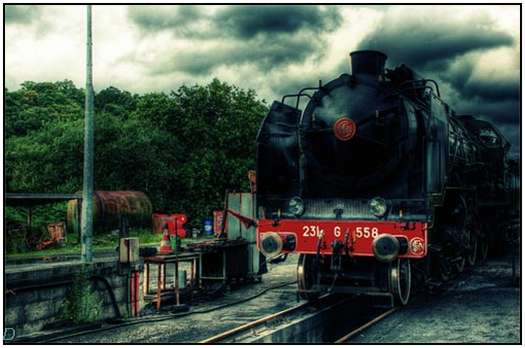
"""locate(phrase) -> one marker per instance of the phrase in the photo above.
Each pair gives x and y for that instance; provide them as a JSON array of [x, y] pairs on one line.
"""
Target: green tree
[[183, 148]]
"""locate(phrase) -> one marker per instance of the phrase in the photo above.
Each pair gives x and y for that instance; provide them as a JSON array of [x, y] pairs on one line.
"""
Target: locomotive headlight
[[377, 206], [385, 247], [296, 206]]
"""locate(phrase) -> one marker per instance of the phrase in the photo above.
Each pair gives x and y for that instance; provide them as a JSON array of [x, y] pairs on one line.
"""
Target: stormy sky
[[472, 51]]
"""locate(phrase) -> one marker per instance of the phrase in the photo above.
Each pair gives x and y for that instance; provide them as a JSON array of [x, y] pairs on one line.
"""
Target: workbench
[[221, 260], [162, 261]]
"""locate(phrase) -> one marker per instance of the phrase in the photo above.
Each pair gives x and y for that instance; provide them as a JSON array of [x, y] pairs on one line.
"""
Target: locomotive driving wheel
[[483, 248], [473, 250], [483, 245], [459, 227], [306, 277], [444, 269], [460, 264], [400, 279], [474, 232]]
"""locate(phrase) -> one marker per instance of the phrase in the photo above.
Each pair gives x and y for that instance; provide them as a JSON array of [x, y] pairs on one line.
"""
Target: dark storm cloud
[[23, 14], [265, 36], [489, 87], [418, 42], [503, 112], [250, 20], [236, 21], [447, 47], [265, 54], [289, 86], [154, 18], [496, 100]]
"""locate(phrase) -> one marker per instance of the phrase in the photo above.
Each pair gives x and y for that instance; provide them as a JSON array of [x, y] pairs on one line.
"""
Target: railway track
[[330, 319], [346, 338]]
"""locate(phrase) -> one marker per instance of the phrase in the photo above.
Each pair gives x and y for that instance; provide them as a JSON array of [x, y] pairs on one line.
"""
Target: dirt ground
[[197, 327], [482, 306]]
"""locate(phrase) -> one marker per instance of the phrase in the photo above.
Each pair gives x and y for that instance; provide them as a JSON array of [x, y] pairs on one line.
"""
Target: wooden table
[[162, 261]]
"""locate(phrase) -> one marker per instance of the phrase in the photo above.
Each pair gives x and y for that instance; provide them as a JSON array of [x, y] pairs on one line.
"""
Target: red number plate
[[358, 234]]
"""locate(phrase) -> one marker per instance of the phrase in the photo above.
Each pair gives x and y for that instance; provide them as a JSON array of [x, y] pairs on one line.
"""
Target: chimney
[[368, 62]]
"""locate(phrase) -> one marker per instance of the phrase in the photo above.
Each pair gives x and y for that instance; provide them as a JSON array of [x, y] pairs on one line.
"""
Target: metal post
[[89, 128], [29, 220]]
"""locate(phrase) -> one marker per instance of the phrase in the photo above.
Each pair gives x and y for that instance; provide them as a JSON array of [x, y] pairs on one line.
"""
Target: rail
[[309, 322], [365, 326], [243, 328]]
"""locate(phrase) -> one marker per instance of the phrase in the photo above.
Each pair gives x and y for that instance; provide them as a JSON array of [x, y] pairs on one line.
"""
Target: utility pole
[[89, 149]]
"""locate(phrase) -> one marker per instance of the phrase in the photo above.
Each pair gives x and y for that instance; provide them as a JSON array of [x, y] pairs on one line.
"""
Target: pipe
[[111, 293]]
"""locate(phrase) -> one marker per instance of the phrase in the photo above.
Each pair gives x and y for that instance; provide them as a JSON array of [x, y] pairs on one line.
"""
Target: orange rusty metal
[[57, 231], [218, 219], [252, 177], [159, 220], [108, 206]]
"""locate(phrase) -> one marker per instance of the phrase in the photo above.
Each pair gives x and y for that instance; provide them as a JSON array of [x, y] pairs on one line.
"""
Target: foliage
[[183, 148], [82, 304], [18, 238]]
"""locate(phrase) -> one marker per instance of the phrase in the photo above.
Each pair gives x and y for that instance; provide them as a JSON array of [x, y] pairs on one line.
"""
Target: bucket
[[208, 227]]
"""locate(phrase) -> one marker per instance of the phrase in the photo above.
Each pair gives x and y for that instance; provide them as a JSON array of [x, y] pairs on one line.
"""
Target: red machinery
[[174, 222]]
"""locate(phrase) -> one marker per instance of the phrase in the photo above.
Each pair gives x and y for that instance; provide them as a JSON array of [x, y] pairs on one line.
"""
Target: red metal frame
[[357, 234], [134, 291]]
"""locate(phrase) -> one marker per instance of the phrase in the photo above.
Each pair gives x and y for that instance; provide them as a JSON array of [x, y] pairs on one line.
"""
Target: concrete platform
[[36, 295], [482, 306]]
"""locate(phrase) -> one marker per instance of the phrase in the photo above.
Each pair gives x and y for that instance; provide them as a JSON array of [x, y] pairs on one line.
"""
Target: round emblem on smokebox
[[417, 246], [344, 128]]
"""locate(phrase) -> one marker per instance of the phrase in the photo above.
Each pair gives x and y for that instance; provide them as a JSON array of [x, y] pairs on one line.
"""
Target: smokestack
[[368, 62]]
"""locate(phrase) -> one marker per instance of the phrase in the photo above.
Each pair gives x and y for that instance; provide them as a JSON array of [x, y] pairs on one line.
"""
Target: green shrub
[[82, 304]]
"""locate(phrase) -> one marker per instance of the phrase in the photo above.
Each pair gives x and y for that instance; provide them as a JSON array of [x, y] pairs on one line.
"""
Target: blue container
[[208, 227]]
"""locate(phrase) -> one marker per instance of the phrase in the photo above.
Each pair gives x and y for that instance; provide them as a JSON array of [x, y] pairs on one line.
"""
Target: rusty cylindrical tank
[[108, 206]]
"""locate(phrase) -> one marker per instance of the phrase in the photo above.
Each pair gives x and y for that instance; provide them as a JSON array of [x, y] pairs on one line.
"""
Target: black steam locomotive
[[378, 183]]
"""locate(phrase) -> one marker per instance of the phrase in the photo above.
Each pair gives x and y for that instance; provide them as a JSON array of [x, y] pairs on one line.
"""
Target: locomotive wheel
[[483, 249], [306, 277], [460, 264], [443, 268], [473, 252], [400, 280]]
